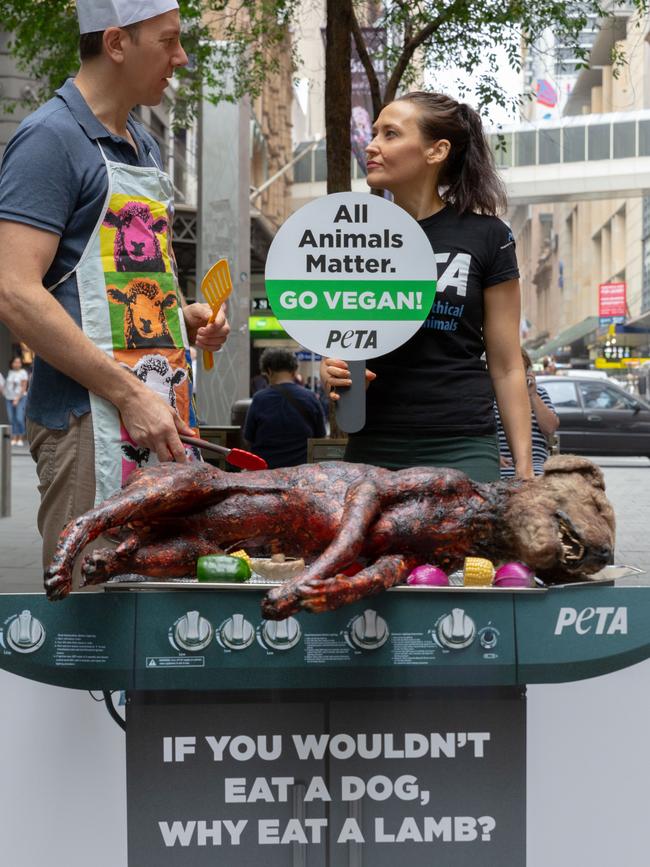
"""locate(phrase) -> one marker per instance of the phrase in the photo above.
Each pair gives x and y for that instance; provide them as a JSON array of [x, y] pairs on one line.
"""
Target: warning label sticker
[[175, 662]]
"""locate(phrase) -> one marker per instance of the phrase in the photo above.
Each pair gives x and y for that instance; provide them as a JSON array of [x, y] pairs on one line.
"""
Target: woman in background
[[544, 423], [15, 394]]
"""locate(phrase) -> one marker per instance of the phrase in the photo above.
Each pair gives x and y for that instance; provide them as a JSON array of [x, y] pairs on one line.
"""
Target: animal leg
[[327, 594], [150, 493], [171, 558], [361, 507]]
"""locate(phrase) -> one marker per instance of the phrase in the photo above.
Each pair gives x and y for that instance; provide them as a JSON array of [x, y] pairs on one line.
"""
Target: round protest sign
[[351, 275]]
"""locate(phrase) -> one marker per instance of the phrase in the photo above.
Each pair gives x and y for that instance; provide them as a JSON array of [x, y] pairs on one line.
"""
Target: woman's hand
[[531, 384], [335, 374]]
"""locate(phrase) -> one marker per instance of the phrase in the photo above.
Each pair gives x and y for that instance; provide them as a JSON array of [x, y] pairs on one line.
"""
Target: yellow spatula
[[216, 286]]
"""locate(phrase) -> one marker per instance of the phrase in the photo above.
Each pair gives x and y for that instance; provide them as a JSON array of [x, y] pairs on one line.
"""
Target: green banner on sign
[[363, 300]]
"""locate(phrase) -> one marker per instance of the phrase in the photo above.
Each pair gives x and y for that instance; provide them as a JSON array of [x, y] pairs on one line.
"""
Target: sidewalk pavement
[[20, 543], [21, 569]]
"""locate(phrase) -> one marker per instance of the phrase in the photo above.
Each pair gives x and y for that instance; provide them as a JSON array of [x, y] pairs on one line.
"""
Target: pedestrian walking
[[15, 395]]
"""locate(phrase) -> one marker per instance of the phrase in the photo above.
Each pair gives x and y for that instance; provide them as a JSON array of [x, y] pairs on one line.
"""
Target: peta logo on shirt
[[604, 620], [455, 274]]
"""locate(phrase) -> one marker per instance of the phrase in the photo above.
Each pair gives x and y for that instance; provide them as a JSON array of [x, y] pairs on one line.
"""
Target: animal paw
[[58, 583], [95, 568]]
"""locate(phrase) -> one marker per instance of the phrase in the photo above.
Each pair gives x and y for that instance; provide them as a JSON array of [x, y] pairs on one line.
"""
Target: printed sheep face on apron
[[136, 227]]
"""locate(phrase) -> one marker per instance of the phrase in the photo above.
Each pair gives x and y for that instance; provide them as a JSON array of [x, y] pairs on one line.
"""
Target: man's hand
[[153, 424], [211, 337]]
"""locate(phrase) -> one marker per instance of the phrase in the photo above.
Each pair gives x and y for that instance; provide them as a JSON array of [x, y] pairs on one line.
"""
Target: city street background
[[627, 480]]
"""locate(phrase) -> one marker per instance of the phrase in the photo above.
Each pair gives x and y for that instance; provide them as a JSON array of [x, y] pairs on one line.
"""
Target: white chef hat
[[96, 15]]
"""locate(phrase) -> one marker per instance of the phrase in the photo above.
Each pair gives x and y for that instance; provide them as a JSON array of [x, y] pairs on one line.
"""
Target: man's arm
[[31, 313]]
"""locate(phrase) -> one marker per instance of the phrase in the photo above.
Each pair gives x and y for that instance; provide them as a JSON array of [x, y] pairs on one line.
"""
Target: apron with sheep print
[[131, 309]]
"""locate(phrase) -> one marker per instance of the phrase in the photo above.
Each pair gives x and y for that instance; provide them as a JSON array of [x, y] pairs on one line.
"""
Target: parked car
[[598, 417]]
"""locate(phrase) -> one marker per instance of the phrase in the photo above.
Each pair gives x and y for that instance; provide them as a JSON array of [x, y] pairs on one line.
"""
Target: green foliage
[[421, 36], [44, 40], [465, 35]]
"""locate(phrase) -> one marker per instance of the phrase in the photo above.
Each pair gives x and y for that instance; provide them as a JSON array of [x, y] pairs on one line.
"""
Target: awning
[[642, 321], [567, 337], [535, 342]]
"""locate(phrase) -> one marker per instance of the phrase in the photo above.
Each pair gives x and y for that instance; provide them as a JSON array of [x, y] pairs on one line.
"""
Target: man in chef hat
[[85, 221]]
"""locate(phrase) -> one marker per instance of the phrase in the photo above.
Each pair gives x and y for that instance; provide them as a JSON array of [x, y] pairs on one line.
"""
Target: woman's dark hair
[[469, 174], [90, 44], [276, 360], [528, 364]]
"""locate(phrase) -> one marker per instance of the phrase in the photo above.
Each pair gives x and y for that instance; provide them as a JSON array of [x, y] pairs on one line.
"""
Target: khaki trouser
[[65, 464]]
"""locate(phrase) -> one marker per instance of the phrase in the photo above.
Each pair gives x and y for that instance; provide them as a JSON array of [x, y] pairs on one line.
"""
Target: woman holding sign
[[430, 402]]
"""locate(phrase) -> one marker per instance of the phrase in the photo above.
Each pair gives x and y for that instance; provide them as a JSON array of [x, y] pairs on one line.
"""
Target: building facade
[[568, 249]]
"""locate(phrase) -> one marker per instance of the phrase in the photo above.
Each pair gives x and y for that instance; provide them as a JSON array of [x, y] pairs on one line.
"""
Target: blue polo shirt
[[53, 177]]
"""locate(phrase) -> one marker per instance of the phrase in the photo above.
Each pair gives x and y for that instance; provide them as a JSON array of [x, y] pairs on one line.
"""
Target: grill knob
[[456, 630], [369, 631], [281, 634], [237, 633], [25, 633], [193, 632]]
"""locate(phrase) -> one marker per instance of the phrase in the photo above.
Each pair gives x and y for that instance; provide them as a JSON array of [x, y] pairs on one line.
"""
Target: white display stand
[[63, 797]]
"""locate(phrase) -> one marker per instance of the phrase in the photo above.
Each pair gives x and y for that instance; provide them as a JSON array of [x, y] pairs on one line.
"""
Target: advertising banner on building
[[612, 303], [362, 110]]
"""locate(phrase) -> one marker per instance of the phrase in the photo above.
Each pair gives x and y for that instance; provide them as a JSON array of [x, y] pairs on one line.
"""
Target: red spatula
[[236, 457]]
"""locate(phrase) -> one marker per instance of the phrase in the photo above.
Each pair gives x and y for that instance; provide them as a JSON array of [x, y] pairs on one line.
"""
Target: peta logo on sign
[[601, 621]]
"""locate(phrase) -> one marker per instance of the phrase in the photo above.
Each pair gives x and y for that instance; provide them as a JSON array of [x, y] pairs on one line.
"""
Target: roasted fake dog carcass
[[333, 514]]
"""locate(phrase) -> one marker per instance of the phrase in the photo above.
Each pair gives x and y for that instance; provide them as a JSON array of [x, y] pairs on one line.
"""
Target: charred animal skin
[[561, 524]]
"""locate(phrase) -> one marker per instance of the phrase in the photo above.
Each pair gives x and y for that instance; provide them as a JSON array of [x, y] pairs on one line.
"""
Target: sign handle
[[351, 405]]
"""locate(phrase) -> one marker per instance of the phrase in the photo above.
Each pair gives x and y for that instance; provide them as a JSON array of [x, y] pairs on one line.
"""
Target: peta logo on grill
[[600, 621]]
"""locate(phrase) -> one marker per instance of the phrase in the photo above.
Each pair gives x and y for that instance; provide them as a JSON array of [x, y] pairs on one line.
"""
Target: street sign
[[612, 303], [351, 276]]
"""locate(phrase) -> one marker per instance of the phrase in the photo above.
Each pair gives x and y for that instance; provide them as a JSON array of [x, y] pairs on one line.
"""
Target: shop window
[[525, 148], [598, 141], [574, 144], [624, 140], [644, 138], [320, 162], [549, 146], [159, 131], [302, 169]]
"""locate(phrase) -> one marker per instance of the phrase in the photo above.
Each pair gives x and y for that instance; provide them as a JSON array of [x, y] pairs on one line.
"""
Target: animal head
[[561, 523], [157, 373], [136, 245], [145, 305]]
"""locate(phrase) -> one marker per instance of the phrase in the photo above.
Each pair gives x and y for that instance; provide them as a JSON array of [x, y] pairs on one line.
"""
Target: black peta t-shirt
[[437, 382]]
